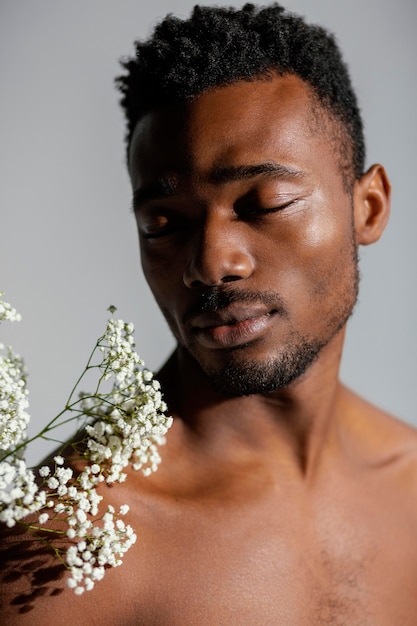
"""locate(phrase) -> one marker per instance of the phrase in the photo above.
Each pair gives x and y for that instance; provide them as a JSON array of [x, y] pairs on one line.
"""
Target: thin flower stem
[[43, 529], [87, 367], [52, 424], [58, 553]]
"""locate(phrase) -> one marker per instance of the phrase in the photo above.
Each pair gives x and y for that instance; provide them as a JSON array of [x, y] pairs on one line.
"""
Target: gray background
[[68, 242]]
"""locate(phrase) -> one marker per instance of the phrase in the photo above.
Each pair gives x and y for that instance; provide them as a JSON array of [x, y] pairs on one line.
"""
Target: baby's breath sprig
[[122, 422]]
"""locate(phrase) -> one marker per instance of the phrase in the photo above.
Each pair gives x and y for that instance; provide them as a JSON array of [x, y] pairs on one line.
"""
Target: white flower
[[7, 312], [124, 423], [19, 493], [52, 483], [14, 417]]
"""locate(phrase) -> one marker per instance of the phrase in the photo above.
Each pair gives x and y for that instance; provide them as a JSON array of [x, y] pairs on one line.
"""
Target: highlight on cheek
[[322, 227]]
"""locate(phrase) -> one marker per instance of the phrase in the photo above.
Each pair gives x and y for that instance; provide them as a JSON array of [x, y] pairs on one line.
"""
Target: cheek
[[328, 228], [317, 236], [156, 277], [330, 253], [311, 254], [321, 232], [329, 223], [164, 276]]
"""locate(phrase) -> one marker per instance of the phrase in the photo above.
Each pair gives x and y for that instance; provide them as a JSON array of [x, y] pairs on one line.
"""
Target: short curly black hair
[[218, 46]]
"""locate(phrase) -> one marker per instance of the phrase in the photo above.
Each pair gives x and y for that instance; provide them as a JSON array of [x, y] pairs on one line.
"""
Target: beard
[[239, 375], [244, 378]]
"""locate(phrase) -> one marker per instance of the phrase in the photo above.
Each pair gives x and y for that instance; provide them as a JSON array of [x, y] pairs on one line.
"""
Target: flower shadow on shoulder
[[29, 570]]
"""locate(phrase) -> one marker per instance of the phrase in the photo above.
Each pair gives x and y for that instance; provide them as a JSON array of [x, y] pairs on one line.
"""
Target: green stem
[[68, 407]]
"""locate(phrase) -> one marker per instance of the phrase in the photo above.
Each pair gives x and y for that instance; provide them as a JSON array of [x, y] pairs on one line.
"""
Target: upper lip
[[232, 314]]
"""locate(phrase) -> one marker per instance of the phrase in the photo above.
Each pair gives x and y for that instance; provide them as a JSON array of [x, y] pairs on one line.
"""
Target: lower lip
[[233, 335]]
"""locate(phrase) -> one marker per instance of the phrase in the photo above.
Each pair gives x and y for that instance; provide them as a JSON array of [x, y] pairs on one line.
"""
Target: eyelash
[[259, 212], [163, 231], [247, 213], [157, 235]]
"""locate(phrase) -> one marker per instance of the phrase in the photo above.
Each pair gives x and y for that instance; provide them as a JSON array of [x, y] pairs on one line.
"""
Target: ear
[[371, 205]]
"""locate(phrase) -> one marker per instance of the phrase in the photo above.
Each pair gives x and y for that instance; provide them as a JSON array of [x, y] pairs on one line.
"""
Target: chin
[[244, 378]]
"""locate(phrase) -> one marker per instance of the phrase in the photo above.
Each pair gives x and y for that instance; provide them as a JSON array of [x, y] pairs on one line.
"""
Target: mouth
[[231, 327]]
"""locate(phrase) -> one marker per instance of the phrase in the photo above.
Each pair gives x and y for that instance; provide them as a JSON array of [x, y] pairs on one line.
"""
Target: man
[[282, 498]]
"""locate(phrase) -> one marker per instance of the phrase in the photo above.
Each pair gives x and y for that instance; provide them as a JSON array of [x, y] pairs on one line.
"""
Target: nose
[[218, 255]]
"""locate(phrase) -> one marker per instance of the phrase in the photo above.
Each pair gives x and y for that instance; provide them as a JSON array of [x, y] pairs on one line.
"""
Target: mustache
[[217, 298]]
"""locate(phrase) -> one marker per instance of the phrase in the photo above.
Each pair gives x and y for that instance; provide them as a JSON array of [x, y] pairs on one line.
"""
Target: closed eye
[[159, 225], [156, 233], [252, 211]]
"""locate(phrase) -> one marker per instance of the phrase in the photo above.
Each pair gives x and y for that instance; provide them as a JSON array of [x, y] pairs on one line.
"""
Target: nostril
[[230, 279], [196, 284], [226, 279]]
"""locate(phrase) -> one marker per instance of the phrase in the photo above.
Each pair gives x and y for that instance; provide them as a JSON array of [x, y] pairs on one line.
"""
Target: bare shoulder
[[29, 570], [34, 585], [34, 577], [384, 440]]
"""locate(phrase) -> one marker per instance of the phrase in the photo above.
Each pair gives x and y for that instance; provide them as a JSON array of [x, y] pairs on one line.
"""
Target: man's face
[[246, 230]]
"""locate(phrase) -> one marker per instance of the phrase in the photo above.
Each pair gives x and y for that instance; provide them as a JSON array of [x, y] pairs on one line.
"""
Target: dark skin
[[291, 507]]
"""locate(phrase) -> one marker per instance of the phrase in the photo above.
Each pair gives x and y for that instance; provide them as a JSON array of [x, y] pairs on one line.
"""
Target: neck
[[293, 426]]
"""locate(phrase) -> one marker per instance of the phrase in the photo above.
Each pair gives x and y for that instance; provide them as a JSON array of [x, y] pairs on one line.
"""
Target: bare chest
[[257, 569], [271, 560]]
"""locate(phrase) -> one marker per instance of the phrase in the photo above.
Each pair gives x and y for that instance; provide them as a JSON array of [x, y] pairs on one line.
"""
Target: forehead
[[275, 119]]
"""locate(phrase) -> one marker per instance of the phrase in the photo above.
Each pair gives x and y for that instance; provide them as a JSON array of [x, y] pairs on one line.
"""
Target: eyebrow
[[244, 172], [166, 187]]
